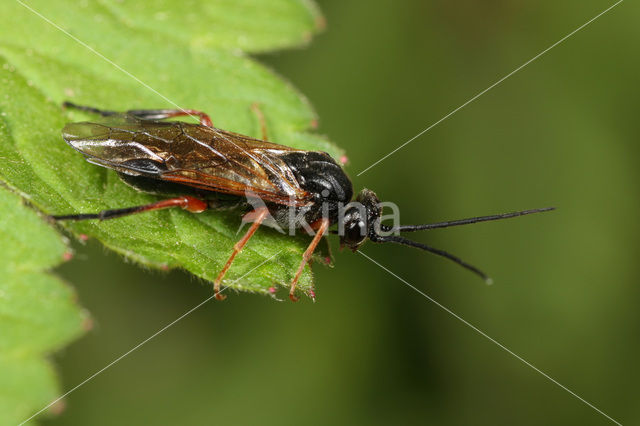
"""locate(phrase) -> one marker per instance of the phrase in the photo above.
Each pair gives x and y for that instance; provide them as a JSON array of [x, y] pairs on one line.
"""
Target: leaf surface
[[38, 312], [120, 56], [178, 65]]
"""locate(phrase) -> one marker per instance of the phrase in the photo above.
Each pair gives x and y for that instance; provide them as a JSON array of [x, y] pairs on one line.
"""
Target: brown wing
[[190, 154]]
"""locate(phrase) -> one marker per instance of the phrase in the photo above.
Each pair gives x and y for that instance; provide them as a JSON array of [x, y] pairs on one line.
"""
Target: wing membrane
[[190, 154]]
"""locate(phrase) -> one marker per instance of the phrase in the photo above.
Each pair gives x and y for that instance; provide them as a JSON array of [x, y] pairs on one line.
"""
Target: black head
[[361, 221]]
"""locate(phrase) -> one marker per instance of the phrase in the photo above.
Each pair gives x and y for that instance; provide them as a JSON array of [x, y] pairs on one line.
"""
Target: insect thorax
[[320, 175]]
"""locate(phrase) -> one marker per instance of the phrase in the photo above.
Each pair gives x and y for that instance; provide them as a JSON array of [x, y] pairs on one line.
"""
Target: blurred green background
[[563, 131]]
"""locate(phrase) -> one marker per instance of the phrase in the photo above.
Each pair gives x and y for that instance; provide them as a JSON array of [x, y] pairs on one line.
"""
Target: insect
[[201, 167]]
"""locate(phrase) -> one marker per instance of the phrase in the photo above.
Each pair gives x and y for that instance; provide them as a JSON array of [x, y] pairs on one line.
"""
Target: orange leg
[[161, 114], [263, 124], [147, 114], [257, 216], [322, 228], [191, 204]]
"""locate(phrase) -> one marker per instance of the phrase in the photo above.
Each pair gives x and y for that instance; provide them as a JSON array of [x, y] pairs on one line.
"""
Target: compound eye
[[355, 232]]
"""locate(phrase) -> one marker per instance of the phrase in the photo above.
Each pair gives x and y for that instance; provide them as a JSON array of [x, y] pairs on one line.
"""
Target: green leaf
[[38, 312], [187, 52]]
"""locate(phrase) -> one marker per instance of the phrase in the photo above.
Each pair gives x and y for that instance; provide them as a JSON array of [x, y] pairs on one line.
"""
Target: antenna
[[412, 228], [456, 259]]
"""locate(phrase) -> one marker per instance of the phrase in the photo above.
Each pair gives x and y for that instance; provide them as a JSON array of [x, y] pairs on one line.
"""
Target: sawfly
[[197, 165]]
